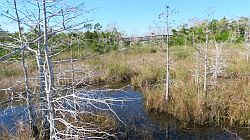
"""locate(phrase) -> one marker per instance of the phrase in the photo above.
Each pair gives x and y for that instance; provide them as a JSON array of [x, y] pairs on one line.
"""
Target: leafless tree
[[219, 61], [61, 106], [205, 85], [33, 126], [247, 41], [166, 21], [167, 68]]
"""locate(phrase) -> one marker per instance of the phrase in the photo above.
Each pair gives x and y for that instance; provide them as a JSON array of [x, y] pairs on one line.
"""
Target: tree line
[[223, 30], [94, 39]]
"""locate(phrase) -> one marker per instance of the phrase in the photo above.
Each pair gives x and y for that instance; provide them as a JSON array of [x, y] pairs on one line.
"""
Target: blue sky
[[136, 16]]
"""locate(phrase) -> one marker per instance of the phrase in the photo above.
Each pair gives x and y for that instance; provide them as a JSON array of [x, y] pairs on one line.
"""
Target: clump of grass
[[11, 70], [143, 49], [240, 67], [154, 99], [238, 100], [118, 72], [152, 75], [113, 67], [221, 106], [9, 73], [181, 53]]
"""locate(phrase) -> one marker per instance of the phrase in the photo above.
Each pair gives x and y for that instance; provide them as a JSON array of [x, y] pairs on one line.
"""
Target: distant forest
[[102, 41]]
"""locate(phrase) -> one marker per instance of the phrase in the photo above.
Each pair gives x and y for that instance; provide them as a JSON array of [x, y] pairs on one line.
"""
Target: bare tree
[[219, 61], [167, 65], [165, 17], [206, 64], [247, 41], [61, 108], [33, 125]]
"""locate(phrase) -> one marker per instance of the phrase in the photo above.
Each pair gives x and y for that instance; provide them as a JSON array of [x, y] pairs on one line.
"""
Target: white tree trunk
[[50, 80], [167, 67], [29, 103], [206, 65], [31, 113]]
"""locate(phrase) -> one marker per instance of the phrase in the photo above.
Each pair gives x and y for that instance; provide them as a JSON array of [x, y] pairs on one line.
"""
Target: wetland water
[[141, 124]]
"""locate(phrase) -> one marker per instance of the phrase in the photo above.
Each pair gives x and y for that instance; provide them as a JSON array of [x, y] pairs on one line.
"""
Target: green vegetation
[[221, 31], [97, 40]]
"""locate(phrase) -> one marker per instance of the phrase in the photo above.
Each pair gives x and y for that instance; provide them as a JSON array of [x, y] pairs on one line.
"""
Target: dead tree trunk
[[31, 113], [219, 63], [167, 67], [49, 78], [32, 121], [247, 41], [205, 84], [41, 71]]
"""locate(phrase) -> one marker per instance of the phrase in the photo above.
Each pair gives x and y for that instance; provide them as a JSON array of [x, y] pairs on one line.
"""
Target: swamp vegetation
[[53, 72], [226, 103]]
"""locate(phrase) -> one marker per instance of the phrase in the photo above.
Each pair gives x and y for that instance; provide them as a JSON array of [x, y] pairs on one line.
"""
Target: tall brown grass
[[226, 102]]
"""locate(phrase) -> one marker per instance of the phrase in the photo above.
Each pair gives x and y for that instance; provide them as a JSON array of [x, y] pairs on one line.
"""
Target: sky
[[139, 17]]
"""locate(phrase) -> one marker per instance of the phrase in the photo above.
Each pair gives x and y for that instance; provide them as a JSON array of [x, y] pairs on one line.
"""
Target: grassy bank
[[227, 101]]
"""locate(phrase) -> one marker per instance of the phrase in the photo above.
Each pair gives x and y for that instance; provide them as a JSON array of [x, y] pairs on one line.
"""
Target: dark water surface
[[144, 125]]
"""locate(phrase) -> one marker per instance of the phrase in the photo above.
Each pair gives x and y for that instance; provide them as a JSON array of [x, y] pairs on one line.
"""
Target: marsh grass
[[118, 72], [227, 102], [151, 75], [10, 70], [222, 106]]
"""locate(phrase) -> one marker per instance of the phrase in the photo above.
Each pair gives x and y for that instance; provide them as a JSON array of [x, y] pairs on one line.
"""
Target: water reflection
[[141, 124]]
